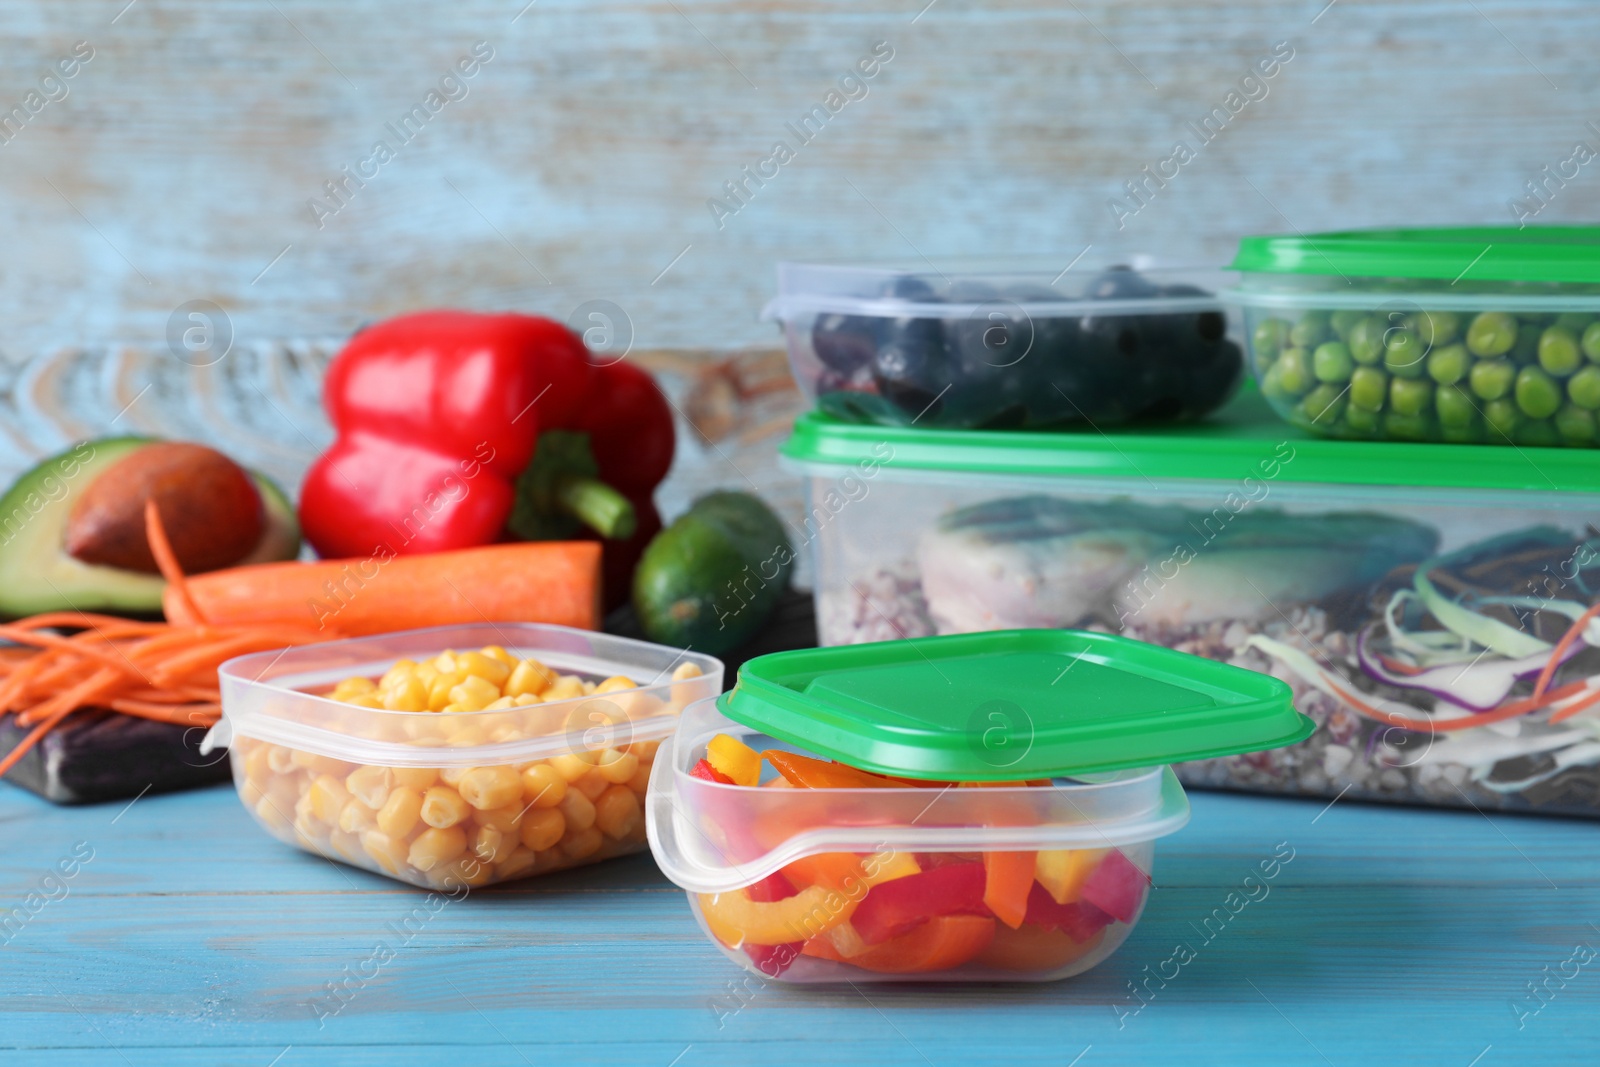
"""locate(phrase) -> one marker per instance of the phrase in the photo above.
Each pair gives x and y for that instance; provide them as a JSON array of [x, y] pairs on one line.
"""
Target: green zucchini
[[710, 580]]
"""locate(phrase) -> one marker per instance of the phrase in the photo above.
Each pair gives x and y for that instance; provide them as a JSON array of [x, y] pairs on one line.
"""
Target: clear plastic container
[[1250, 542], [835, 885], [1007, 345], [469, 798], [1467, 336]]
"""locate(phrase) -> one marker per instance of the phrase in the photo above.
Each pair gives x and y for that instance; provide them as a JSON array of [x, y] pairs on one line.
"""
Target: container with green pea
[[1472, 335]]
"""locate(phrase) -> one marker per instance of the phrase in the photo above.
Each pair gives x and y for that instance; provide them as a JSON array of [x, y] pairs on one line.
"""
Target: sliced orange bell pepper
[[734, 758], [737, 921], [1007, 882], [939, 944], [1033, 949], [847, 870], [1063, 871], [811, 773]]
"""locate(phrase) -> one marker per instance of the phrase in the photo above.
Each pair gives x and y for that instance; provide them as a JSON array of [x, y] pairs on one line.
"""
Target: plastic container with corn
[[526, 754]]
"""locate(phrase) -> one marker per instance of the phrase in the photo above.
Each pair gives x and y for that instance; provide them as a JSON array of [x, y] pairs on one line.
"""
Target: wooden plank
[[189, 928]]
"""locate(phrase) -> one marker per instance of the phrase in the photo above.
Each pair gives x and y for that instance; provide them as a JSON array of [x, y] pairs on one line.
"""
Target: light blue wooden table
[[1391, 936]]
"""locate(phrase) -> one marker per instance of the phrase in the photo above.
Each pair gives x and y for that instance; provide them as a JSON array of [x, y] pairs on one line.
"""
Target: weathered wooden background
[[180, 163]]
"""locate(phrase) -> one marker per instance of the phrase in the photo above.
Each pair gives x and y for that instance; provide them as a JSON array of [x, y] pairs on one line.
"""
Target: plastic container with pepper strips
[[458, 429], [981, 806]]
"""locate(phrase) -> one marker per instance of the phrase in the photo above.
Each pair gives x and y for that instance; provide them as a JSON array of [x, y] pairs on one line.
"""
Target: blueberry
[[845, 343]]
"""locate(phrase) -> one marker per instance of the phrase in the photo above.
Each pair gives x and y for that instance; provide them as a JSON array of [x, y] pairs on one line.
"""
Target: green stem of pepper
[[597, 506]]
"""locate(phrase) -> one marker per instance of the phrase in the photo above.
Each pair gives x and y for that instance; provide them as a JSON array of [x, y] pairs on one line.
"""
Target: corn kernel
[[280, 760], [577, 809], [640, 781], [522, 700], [491, 787], [450, 776], [488, 668], [435, 846], [583, 844], [418, 778], [645, 750], [588, 688], [411, 694], [591, 785], [402, 671], [516, 865], [445, 662], [348, 846], [271, 815], [352, 687], [474, 693], [398, 816], [565, 687], [617, 766], [529, 676], [542, 786], [255, 762], [491, 845], [355, 817], [450, 709], [468, 870], [542, 828], [327, 797], [617, 812], [389, 853], [496, 652], [442, 807], [615, 684], [501, 704], [425, 672], [572, 765], [318, 764], [506, 819], [686, 671], [439, 688], [370, 785], [366, 700]]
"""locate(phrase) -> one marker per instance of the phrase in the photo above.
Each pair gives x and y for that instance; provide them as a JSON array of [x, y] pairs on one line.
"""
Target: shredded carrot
[[1582, 704], [162, 671], [1562, 645]]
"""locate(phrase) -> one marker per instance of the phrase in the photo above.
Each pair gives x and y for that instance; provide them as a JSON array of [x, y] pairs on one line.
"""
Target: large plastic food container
[[1479, 336], [1007, 345], [452, 798], [1412, 594], [947, 809]]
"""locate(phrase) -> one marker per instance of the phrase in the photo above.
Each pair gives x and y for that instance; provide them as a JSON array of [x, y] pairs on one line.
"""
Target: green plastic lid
[[1011, 704], [1243, 440], [1479, 253]]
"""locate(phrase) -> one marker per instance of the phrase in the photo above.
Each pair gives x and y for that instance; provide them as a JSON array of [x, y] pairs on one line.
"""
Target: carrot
[[176, 603], [534, 581], [1561, 648]]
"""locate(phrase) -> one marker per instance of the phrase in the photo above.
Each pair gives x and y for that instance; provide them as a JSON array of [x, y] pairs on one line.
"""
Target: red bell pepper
[[772, 960], [1079, 920], [457, 429], [890, 909], [704, 770]]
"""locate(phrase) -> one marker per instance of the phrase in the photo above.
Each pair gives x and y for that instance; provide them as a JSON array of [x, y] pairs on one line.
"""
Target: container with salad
[[1433, 606], [981, 806], [457, 755]]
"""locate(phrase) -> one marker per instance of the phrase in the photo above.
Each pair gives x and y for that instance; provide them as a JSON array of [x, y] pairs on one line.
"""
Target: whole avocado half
[[710, 580], [37, 574]]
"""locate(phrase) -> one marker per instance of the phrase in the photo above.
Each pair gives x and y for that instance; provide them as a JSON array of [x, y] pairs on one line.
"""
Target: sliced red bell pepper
[[1079, 920], [772, 960], [892, 908], [704, 770], [1116, 886]]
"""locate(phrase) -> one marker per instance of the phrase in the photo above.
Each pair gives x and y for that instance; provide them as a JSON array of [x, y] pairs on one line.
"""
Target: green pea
[[1311, 330], [1410, 396], [1539, 433], [1404, 353], [1407, 427], [1558, 351], [1575, 322], [1270, 335], [1343, 320], [1331, 362], [1436, 327], [1584, 388], [1502, 417], [1455, 406], [1324, 404], [1294, 371], [1449, 364], [1591, 341], [1362, 421], [1492, 379], [1368, 388], [1366, 340], [1538, 395], [1492, 333], [1575, 425]]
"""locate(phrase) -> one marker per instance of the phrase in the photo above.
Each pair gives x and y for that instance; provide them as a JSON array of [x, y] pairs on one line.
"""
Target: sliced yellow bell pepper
[[736, 920], [1063, 871], [734, 758]]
